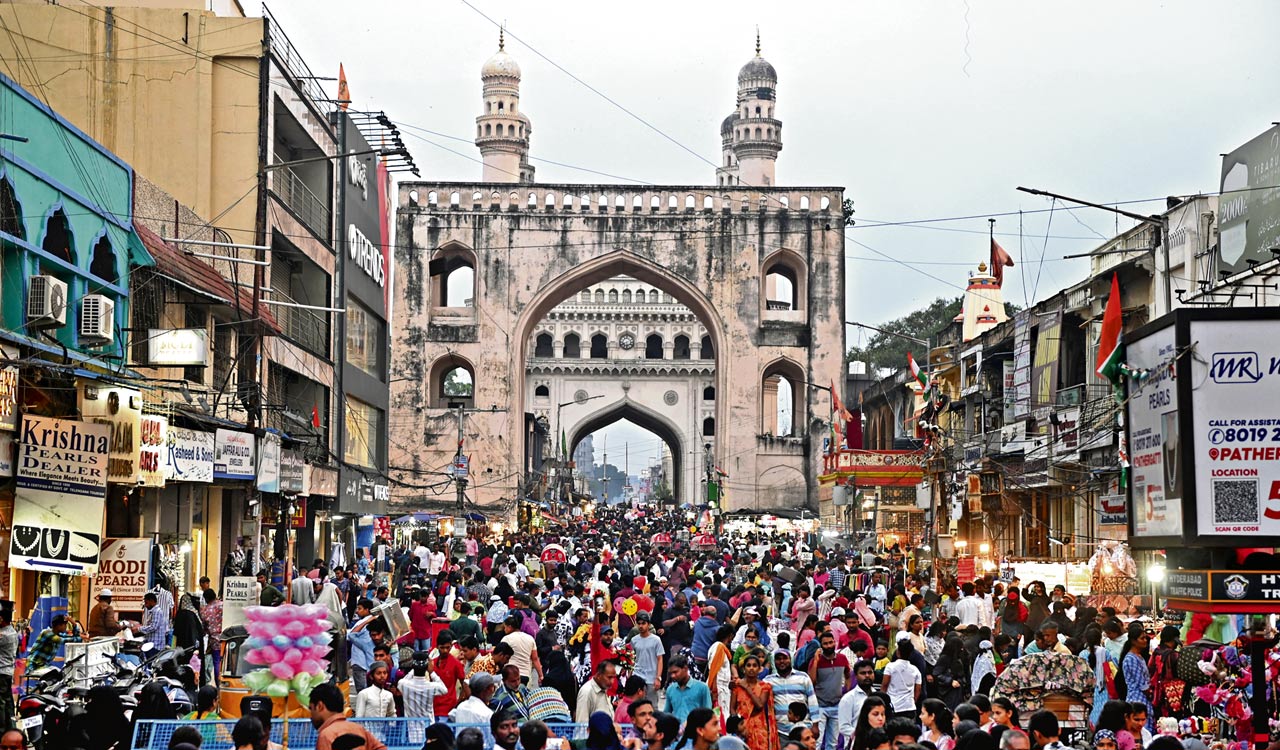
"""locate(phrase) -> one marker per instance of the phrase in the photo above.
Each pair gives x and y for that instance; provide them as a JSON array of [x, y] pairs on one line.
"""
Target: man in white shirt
[[435, 562], [594, 695], [902, 681], [375, 701], [877, 594], [419, 689], [968, 606], [423, 554], [986, 607], [850, 706], [475, 709]]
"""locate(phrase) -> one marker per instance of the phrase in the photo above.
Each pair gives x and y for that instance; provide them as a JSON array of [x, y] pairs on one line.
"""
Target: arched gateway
[[760, 267]]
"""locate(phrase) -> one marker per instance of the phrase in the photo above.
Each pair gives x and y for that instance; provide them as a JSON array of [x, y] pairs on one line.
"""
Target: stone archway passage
[[650, 421]]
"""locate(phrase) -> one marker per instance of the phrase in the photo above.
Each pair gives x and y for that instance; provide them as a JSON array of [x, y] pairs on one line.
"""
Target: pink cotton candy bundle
[[296, 641]]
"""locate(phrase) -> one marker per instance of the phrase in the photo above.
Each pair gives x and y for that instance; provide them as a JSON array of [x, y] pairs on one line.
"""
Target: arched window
[[455, 200], [542, 392], [709, 393], [626, 296], [709, 427], [599, 296], [655, 203], [453, 382], [599, 346], [57, 237], [672, 202], [572, 346], [782, 402], [488, 129], [543, 345], [10, 211], [653, 346], [585, 296], [757, 134], [103, 264], [688, 202], [707, 203], [707, 351], [782, 284], [613, 296], [488, 107], [804, 203], [453, 276], [757, 110], [500, 106], [680, 347], [640, 297]]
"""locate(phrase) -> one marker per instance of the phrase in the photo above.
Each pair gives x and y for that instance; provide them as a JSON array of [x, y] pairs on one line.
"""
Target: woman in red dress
[[752, 701]]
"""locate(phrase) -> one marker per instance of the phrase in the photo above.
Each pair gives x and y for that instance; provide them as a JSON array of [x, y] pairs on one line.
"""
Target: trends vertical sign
[[366, 261]]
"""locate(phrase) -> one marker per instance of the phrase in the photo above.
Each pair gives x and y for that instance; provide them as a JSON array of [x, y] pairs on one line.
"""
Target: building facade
[[760, 270]]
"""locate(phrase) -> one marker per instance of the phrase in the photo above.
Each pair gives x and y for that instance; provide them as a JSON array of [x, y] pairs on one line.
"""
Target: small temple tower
[[983, 305], [502, 131]]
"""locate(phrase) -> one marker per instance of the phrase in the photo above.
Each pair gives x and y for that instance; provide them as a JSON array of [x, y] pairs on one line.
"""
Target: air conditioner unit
[[46, 302], [97, 319]]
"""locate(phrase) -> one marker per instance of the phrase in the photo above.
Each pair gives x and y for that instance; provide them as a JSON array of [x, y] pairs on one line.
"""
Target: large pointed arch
[[583, 275], [665, 429]]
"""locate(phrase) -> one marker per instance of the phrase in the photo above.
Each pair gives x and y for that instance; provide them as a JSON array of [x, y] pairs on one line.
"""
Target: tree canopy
[[885, 350]]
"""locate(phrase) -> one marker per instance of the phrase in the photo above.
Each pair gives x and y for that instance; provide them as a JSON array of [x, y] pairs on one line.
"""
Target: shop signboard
[[178, 347], [1235, 422], [269, 463], [121, 408], [61, 495], [125, 568], [1224, 591], [1022, 364], [8, 390], [1249, 207], [188, 456], [6, 454], [1155, 463], [233, 454], [154, 441], [1044, 369], [319, 480], [291, 470], [1202, 406], [238, 592]]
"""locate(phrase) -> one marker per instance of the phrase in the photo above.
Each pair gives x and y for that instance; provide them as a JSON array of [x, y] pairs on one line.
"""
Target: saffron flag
[[315, 416], [344, 94], [921, 377], [999, 261], [1110, 346], [838, 407]]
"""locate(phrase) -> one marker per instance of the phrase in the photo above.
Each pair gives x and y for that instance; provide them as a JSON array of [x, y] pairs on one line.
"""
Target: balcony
[[306, 328], [290, 188]]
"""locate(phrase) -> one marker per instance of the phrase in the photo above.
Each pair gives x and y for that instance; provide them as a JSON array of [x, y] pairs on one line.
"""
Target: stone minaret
[[757, 135], [502, 131]]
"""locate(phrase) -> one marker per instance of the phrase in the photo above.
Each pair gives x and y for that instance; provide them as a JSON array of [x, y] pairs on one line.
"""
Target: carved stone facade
[[536, 249]]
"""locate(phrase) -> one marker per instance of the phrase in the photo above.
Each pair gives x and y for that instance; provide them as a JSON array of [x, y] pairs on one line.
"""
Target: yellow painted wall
[[184, 114]]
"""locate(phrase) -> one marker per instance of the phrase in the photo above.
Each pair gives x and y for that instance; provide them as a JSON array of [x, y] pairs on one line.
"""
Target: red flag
[[315, 417], [999, 260], [838, 407]]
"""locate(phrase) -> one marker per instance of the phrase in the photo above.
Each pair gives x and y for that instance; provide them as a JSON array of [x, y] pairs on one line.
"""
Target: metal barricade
[[397, 734]]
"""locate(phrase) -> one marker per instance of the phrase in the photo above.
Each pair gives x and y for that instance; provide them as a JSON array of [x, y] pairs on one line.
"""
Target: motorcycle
[[46, 713]]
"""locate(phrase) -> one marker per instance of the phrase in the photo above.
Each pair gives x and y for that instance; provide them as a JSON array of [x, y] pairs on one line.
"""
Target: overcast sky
[[920, 110]]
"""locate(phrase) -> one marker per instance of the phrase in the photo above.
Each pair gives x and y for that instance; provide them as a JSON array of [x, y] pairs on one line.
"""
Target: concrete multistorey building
[[758, 268], [751, 136], [502, 131]]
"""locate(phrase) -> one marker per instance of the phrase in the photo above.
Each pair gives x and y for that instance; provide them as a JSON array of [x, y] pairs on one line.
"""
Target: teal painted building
[[66, 211]]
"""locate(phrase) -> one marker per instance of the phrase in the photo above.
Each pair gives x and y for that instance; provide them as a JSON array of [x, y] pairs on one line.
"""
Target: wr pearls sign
[[1236, 419]]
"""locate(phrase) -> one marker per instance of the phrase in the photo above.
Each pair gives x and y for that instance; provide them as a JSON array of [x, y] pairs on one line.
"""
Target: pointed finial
[[757, 41], [501, 37]]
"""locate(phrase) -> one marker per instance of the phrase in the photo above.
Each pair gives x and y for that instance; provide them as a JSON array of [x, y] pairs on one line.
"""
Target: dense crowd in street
[[758, 643]]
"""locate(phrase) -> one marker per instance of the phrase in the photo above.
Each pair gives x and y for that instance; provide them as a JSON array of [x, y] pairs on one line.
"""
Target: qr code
[[1235, 501]]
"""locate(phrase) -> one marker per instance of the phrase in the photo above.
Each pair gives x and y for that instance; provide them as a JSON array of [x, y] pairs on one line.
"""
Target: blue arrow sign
[[47, 564]]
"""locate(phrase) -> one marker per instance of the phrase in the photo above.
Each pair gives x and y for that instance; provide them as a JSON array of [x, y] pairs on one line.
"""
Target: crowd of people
[[762, 643]]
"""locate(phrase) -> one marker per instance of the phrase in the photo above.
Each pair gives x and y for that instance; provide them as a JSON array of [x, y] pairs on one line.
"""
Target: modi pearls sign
[[1204, 428]]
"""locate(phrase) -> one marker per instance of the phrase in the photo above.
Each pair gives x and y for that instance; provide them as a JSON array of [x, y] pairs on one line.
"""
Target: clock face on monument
[[627, 341]]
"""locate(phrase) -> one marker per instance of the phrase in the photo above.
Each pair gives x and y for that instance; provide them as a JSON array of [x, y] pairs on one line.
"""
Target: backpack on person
[[806, 653]]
